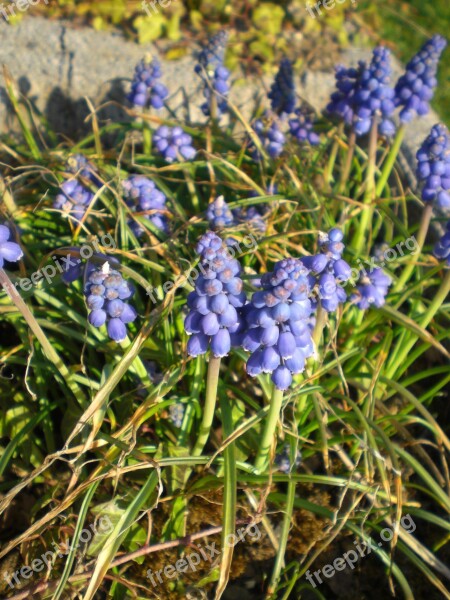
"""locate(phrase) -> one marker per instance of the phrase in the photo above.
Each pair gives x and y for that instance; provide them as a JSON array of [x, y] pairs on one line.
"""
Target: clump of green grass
[[86, 427]]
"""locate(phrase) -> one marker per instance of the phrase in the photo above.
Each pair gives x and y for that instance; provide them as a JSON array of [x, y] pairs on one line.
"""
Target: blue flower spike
[[106, 291], [216, 301]]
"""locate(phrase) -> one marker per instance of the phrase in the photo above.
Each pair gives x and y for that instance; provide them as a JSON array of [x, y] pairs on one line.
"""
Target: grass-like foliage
[[116, 415]]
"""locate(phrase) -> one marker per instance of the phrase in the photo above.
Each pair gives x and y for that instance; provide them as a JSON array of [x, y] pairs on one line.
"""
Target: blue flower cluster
[[415, 88], [173, 144], [214, 74], [272, 138], [282, 92], [146, 90], [105, 292], [442, 248], [328, 270], [176, 412], [283, 460], [301, 127], [342, 101], [372, 288], [277, 334], [364, 93], [219, 214], [80, 166], [374, 95], [9, 251], [142, 195], [252, 216], [433, 168], [73, 199], [213, 54], [214, 303]]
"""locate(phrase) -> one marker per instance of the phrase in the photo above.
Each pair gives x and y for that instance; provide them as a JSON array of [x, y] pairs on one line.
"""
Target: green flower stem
[[438, 300], [370, 193], [213, 107], [348, 162], [212, 381], [147, 137], [262, 459], [285, 529], [333, 156], [321, 319], [390, 160], [422, 234]]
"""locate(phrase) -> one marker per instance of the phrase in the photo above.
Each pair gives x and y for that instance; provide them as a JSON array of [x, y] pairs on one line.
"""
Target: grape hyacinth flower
[[301, 127], [364, 93], [176, 412], [272, 138], [80, 166], [9, 251], [372, 288], [433, 169], [218, 293], [328, 270], [219, 214], [173, 144], [142, 195], [146, 90], [215, 75], [73, 199], [282, 92], [277, 333], [342, 101], [416, 86], [105, 291], [252, 216], [374, 96], [283, 460], [442, 248]]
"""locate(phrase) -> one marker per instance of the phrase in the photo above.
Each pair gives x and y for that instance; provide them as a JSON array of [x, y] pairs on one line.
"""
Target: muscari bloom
[[442, 248], [328, 270], [215, 75], [372, 288], [9, 251], [282, 92], [301, 127], [80, 166], [73, 199], [106, 291], [363, 93], [433, 168], [173, 144], [142, 195], [272, 138], [252, 216], [219, 214], [277, 333], [416, 86], [146, 90], [176, 412], [214, 304], [283, 460]]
